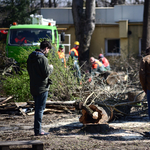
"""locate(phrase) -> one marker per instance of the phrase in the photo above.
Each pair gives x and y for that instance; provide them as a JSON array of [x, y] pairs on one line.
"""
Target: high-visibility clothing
[[62, 57], [22, 40], [74, 53], [105, 62], [96, 64]]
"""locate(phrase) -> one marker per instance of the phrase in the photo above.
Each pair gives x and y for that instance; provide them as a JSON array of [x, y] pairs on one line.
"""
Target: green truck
[[29, 35]]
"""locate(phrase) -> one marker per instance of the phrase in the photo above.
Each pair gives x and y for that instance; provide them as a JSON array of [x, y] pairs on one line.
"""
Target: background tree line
[[20, 10]]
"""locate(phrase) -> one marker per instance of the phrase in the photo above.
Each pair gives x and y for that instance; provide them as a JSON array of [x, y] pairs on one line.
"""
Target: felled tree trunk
[[104, 115]]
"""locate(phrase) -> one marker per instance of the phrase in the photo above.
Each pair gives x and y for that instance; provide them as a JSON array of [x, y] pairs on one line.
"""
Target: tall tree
[[15, 11], [50, 3], [84, 22], [146, 26], [42, 3]]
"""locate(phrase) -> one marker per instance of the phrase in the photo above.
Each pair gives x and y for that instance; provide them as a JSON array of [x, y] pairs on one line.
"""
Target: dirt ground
[[66, 132]]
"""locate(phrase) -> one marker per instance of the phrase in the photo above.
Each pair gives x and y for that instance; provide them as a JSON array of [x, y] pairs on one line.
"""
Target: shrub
[[18, 86], [64, 82]]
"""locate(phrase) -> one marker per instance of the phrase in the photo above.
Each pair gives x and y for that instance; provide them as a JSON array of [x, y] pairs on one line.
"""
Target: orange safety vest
[[62, 56], [96, 64], [76, 53], [105, 62], [23, 40]]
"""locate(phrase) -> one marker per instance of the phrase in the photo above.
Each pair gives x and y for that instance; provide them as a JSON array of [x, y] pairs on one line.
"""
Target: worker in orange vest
[[74, 55], [104, 61], [97, 67], [20, 39], [61, 54]]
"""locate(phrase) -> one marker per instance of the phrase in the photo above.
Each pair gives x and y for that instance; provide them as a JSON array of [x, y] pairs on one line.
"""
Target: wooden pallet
[[36, 144]]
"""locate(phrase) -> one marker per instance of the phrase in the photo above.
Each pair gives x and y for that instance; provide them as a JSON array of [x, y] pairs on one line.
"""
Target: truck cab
[[27, 35]]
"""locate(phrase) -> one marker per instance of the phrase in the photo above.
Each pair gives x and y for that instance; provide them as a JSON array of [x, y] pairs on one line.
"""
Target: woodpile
[[27, 108], [95, 112]]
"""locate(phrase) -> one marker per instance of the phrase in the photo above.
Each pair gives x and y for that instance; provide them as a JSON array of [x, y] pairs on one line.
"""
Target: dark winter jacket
[[144, 73], [39, 72]]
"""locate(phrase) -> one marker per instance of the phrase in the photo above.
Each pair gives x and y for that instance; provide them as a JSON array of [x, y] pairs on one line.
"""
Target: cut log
[[20, 109], [47, 110], [56, 102], [104, 115], [7, 99], [115, 77]]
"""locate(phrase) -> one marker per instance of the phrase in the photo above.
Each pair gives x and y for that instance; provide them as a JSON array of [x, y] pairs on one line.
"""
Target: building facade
[[118, 30]]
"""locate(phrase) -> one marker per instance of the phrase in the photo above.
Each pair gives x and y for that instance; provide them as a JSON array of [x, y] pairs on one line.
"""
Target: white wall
[[104, 15]]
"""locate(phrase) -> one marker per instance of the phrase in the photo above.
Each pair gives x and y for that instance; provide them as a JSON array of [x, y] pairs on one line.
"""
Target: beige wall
[[129, 43], [98, 38], [136, 34]]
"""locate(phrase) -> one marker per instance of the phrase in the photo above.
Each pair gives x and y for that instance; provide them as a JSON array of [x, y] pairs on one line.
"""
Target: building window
[[112, 46]]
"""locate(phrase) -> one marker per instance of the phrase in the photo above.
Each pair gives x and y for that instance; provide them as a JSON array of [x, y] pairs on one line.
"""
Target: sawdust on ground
[[66, 132]]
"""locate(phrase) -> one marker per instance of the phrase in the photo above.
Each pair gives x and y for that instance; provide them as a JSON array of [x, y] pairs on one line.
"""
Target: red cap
[[100, 56]]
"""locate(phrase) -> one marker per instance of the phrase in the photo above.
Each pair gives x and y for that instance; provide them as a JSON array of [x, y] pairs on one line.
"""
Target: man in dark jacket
[[39, 71], [144, 74]]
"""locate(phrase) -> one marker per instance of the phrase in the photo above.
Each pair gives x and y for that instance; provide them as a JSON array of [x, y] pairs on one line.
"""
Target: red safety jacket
[[96, 64], [62, 56], [23, 40], [105, 62]]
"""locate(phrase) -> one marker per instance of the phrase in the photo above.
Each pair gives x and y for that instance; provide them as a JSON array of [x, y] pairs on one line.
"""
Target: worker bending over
[[97, 66], [104, 61]]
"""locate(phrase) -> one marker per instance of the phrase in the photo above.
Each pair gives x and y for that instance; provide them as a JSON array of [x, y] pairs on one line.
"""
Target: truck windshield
[[28, 36]]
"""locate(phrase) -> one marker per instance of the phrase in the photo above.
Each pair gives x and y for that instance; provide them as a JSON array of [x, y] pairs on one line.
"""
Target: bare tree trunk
[[84, 21], [146, 26], [55, 5], [50, 3], [42, 3]]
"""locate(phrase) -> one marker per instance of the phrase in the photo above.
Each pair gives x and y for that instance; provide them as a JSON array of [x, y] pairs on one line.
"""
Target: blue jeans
[[107, 68], [148, 99], [40, 103]]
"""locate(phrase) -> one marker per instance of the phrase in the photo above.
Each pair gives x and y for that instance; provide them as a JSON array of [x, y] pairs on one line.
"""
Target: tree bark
[[146, 26], [50, 3], [42, 3], [84, 22], [55, 5]]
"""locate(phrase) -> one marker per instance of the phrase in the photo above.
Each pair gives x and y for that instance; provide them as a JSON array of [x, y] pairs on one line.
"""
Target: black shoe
[[42, 133], [146, 134]]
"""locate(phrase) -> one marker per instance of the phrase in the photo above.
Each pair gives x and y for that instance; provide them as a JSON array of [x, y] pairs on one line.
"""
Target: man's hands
[[51, 66]]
